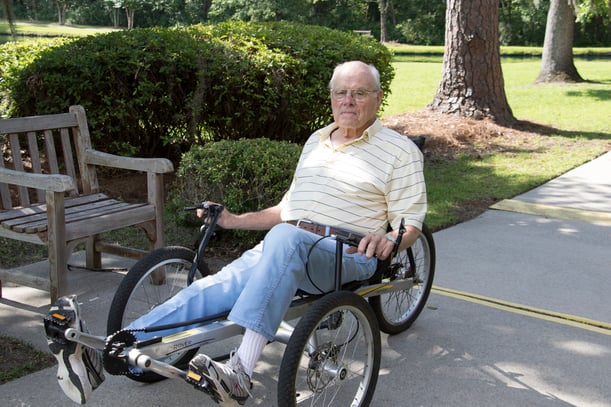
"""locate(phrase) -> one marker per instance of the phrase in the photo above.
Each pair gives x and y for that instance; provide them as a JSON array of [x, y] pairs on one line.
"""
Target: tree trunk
[[383, 4], [557, 59], [115, 17], [7, 5], [472, 80], [61, 12], [130, 12], [206, 9]]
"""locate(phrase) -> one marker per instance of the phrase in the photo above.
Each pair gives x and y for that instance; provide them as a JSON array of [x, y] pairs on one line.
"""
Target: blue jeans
[[259, 286]]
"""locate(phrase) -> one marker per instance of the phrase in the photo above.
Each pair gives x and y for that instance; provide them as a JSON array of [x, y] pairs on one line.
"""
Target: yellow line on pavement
[[601, 218], [565, 319]]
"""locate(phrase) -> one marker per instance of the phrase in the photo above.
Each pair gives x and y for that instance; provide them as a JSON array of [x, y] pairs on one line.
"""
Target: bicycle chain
[[114, 363]]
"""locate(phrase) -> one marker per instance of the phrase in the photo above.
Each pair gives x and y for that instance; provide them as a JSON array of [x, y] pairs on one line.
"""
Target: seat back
[[50, 144]]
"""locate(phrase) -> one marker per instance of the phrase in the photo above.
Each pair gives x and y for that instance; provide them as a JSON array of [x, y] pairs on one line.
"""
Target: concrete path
[[520, 314]]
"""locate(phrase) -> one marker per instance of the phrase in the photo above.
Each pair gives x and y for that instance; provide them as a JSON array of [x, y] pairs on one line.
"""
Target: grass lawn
[[51, 29], [582, 106], [461, 187]]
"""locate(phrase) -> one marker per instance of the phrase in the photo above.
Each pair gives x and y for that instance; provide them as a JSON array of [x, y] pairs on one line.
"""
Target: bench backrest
[[49, 144]]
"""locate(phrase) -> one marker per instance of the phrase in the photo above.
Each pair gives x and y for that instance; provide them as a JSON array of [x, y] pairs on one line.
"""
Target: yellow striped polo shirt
[[364, 185]]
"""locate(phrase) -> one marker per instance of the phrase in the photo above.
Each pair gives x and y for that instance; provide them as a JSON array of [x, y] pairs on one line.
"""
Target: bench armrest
[[150, 165], [49, 182]]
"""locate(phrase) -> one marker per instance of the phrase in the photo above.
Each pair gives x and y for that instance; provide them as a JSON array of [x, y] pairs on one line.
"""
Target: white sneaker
[[80, 369], [227, 383]]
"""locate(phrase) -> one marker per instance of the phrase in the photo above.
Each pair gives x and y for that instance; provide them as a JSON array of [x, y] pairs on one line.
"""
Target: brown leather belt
[[324, 230]]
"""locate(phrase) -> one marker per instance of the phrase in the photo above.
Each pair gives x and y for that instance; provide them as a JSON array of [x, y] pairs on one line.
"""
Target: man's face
[[355, 99]]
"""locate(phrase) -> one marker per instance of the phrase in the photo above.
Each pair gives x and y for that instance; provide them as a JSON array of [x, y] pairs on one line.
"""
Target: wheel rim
[[156, 286], [336, 365], [399, 306]]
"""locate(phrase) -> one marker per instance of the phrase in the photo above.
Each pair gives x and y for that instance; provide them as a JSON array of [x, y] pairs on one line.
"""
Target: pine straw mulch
[[449, 135]]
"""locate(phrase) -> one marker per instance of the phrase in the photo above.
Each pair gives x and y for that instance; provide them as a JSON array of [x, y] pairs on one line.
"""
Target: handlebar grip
[[353, 239], [194, 207]]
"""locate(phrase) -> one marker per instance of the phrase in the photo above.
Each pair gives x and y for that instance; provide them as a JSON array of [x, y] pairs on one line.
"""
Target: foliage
[[157, 91], [13, 57], [244, 175], [521, 22], [424, 29], [319, 50], [425, 23]]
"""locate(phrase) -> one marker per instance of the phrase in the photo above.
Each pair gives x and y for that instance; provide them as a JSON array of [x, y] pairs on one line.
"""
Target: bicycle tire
[[140, 291], [397, 311], [345, 364]]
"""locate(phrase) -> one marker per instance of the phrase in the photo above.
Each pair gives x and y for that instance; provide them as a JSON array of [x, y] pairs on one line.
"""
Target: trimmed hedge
[[244, 175], [157, 91]]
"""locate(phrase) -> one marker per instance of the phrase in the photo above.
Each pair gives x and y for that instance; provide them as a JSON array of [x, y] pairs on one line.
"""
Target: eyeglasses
[[359, 95]]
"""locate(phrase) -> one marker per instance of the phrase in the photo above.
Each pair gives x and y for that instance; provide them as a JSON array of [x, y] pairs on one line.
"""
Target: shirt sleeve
[[406, 188]]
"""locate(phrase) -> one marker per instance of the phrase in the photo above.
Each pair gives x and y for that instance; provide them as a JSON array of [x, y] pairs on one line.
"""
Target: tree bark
[[7, 5], [383, 4], [130, 12], [557, 60], [61, 12], [472, 82]]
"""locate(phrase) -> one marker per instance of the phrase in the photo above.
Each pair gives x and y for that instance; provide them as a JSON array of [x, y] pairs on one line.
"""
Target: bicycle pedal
[[198, 381], [56, 323]]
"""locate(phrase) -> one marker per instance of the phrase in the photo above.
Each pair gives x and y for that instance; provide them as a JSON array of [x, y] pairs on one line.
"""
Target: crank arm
[[93, 341]]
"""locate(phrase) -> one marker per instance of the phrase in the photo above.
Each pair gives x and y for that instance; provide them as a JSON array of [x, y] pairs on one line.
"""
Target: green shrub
[[319, 50], [244, 175], [157, 91], [14, 56]]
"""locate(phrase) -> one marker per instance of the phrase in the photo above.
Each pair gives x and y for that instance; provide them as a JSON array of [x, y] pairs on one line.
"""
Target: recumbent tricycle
[[333, 345]]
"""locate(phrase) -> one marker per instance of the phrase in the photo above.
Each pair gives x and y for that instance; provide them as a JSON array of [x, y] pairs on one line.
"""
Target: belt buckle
[[305, 221]]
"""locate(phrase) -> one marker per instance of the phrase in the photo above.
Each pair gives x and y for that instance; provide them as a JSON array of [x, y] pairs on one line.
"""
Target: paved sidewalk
[[520, 314]]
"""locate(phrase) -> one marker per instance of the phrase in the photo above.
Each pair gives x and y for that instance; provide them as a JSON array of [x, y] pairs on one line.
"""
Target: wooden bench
[[50, 195], [363, 33]]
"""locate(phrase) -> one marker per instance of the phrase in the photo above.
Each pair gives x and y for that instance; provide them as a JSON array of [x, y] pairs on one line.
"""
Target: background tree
[[557, 60], [472, 81], [113, 6], [7, 7], [62, 7], [384, 7], [130, 11]]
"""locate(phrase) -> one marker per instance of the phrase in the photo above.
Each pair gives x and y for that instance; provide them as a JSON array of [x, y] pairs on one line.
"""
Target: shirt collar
[[325, 132]]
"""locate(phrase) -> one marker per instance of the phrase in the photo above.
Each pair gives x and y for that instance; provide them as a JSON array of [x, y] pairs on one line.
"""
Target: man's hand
[[373, 245], [382, 245]]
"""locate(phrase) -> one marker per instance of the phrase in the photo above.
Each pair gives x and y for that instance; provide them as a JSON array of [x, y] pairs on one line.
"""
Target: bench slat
[[110, 221], [36, 165], [93, 215], [24, 199], [38, 223], [38, 123], [4, 191], [42, 208]]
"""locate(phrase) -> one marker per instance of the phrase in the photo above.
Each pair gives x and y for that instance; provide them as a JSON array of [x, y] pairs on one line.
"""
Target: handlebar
[[205, 205], [211, 216]]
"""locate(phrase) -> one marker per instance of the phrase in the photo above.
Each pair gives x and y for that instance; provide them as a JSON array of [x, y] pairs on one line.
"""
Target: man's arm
[[261, 220]]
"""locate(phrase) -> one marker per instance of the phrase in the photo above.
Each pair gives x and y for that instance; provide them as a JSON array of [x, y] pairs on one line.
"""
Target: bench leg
[[93, 257], [58, 257]]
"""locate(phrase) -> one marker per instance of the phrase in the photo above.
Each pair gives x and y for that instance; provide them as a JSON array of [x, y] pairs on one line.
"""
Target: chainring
[[115, 361]]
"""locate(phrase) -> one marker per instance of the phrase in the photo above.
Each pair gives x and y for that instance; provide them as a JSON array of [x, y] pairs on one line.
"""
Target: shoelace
[[235, 365]]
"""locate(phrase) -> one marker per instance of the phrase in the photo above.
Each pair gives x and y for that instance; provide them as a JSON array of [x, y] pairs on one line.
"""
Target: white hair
[[374, 73]]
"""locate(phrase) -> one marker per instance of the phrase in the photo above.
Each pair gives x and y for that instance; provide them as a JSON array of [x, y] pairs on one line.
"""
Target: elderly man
[[353, 174]]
